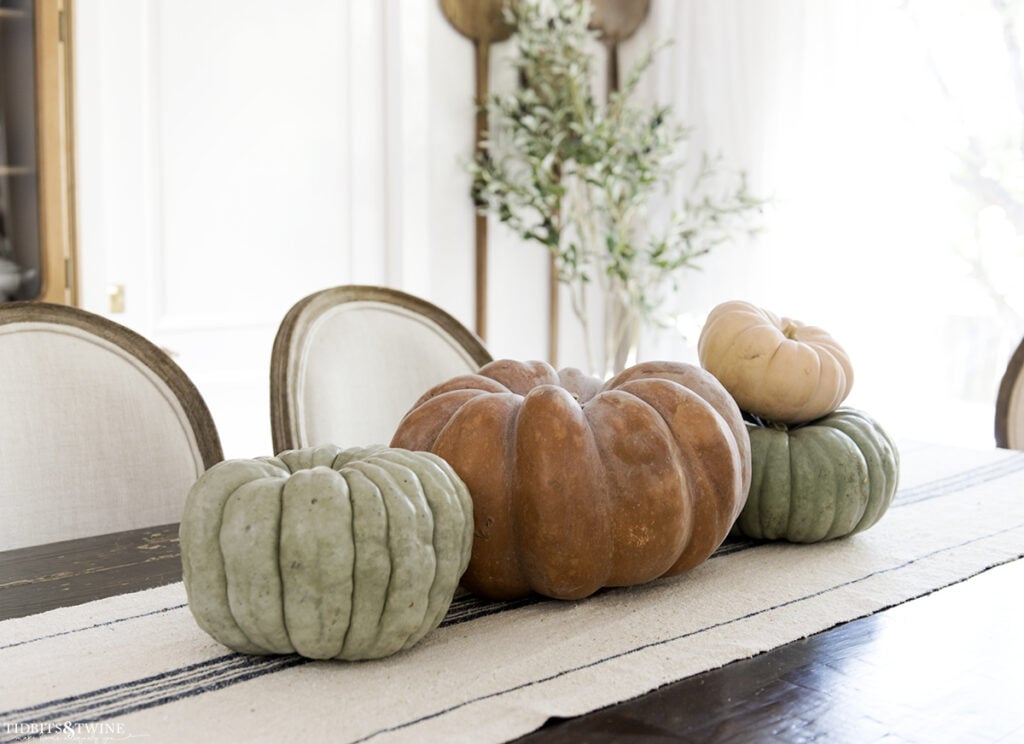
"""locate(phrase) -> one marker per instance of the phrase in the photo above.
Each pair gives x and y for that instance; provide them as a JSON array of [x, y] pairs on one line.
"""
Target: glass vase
[[621, 337]]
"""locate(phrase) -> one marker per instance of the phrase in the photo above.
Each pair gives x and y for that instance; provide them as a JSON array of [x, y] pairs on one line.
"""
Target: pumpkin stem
[[764, 423], [789, 328]]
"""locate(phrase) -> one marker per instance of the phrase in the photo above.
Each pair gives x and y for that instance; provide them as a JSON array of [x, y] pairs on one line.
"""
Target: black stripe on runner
[[147, 692], [960, 481], [104, 624]]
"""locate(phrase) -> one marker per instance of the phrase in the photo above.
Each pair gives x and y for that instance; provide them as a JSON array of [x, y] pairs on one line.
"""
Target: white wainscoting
[[235, 156]]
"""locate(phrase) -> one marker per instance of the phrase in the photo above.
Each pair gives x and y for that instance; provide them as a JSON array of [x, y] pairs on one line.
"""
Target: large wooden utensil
[[482, 22], [616, 21]]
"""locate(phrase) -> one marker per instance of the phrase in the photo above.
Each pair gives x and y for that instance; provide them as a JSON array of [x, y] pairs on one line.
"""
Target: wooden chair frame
[[146, 352], [1005, 400]]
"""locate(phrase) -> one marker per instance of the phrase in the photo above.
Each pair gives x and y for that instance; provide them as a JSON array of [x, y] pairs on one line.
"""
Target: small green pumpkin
[[352, 554], [829, 478]]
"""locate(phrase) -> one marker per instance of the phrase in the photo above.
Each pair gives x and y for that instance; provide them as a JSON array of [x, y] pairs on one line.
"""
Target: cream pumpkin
[[777, 368]]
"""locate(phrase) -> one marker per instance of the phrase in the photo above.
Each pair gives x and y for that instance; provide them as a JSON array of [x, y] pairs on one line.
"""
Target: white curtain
[[851, 119]]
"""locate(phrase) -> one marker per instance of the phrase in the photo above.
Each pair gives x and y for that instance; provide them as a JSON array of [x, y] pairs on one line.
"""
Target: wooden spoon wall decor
[[482, 22], [616, 21]]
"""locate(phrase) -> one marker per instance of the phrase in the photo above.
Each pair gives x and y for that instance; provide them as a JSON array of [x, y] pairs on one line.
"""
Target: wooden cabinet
[[36, 167]]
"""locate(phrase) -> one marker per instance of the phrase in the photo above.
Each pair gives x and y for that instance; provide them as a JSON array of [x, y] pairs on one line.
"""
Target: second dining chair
[[100, 431], [349, 361], [1010, 403]]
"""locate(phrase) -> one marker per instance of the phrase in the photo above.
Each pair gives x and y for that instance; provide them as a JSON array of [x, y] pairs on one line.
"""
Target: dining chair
[[349, 361], [1010, 403], [100, 431]]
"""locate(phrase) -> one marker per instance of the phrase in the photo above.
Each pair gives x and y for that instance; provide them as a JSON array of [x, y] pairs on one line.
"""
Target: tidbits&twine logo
[[93, 731]]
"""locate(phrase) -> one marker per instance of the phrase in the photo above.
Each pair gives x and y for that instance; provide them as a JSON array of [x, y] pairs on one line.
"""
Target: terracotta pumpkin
[[776, 368], [578, 485]]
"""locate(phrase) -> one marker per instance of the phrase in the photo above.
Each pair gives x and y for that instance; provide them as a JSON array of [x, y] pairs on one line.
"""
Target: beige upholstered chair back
[[99, 430], [1010, 403], [348, 362]]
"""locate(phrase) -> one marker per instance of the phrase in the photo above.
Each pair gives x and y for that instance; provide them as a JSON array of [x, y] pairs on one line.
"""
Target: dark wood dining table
[[947, 667]]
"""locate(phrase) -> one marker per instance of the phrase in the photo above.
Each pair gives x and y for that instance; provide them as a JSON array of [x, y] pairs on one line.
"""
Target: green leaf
[[581, 177]]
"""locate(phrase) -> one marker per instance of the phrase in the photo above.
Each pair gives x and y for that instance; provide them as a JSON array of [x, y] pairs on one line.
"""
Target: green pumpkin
[[829, 478], [352, 554]]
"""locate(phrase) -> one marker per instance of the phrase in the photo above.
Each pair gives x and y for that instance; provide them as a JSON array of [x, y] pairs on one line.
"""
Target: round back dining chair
[[349, 361], [100, 431], [1010, 403]]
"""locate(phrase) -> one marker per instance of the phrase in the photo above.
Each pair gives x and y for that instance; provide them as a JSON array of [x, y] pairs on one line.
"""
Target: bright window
[[889, 137]]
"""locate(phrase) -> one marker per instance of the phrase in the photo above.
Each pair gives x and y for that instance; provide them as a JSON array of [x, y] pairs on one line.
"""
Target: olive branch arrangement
[[578, 176]]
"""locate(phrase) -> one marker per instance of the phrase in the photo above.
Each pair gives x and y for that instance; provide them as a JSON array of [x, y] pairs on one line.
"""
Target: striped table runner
[[137, 665]]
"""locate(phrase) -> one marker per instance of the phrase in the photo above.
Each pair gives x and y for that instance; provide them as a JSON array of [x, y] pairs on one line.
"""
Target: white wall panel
[[407, 68], [236, 156], [449, 120], [250, 159], [222, 192]]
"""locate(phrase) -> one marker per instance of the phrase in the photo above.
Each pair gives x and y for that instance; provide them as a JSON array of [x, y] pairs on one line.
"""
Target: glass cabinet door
[[35, 217]]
